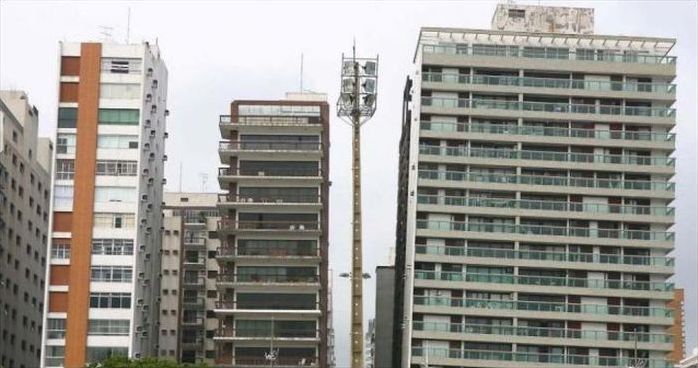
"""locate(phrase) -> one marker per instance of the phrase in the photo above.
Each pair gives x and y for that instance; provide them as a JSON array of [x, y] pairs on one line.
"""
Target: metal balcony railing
[[448, 102], [537, 306], [231, 224], [544, 281], [546, 256], [269, 172], [280, 333], [558, 83], [270, 146], [542, 131], [271, 303], [267, 251], [565, 181], [271, 198], [259, 278]]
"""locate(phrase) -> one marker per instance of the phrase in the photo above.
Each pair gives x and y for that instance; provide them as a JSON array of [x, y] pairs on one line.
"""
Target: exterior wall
[[298, 117], [677, 329], [528, 233], [190, 246], [385, 304], [25, 179], [106, 210]]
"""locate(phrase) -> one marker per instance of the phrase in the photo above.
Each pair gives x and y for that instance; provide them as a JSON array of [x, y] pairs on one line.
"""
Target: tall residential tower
[[25, 184], [104, 285], [535, 190], [273, 280]]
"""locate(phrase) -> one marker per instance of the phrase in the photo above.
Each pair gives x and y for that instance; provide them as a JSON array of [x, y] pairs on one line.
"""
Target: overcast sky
[[219, 51]]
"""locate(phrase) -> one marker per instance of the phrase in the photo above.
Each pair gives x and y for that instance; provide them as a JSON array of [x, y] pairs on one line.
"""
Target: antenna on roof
[[204, 179], [128, 25], [301, 73], [106, 32]]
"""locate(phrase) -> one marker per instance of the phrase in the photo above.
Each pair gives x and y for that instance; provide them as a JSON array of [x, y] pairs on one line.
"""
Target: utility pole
[[356, 105]]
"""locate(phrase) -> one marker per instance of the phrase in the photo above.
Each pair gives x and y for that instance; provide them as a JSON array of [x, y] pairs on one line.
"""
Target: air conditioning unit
[[140, 302], [166, 135], [144, 198], [144, 221], [146, 146], [167, 112], [141, 275], [146, 171], [152, 133], [148, 97], [149, 207], [164, 181], [141, 248], [164, 157], [148, 230], [147, 123], [150, 72], [151, 156], [147, 256], [150, 181]]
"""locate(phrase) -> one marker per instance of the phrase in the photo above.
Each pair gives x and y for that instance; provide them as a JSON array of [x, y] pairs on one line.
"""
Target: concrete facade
[[273, 281], [534, 199], [25, 183], [189, 270], [106, 218], [384, 321]]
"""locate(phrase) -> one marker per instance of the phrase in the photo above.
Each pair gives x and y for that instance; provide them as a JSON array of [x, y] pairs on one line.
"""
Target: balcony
[[575, 157], [562, 333], [194, 282], [194, 262], [549, 180], [271, 306], [553, 359], [552, 83], [522, 305], [196, 321], [514, 52], [282, 176], [543, 281], [269, 200], [230, 279], [194, 242], [268, 254], [193, 303], [267, 226], [540, 131], [269, 146], [545, 230], [562, 108], [546, 256], [280, 334], [540, 205], [280, 362]]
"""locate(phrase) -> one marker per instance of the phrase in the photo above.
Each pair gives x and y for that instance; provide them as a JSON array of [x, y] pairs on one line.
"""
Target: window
[[111, 273], [55, 328], [63, 196], [67, 117], [120, 91], [118, 116], [117, 168], [54, 356], [115, 194], [114, 220], [110, 300], [112, 247], [99, 353], [65, 169], [117, 141], [60, 249], [113, 327], [121, 65], [517, 13], [65, 143]]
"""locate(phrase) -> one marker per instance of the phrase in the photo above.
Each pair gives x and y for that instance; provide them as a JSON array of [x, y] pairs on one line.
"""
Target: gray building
[[384, 323], [273, 281], [189, 270], [25, 183], [535, 190]]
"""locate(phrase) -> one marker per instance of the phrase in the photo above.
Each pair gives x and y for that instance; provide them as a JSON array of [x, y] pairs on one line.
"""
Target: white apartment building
[[534, 197], [106, 220]]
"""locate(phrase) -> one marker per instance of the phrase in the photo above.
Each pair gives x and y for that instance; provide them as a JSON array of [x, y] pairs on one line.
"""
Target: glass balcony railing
[[272, 278], [545, 256], [564, 333], [537, 306], [564, 181], [266, 332], [541, 205], [555, 359], [558, 83], [268, 198], [543, 280], [545, 230], [269, 146], [446, 102], [269, 120], [509, 129], [230, 224], [268, 251], [552, 53], [269, 172], [578, 157], [279, 362]]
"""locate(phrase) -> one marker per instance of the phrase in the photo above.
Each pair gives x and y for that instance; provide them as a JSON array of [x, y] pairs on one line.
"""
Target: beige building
[[189, 269], [535, 196], [25, 183]]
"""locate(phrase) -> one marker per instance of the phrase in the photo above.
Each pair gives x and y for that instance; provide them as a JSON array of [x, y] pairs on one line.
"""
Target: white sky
[[219, 51]]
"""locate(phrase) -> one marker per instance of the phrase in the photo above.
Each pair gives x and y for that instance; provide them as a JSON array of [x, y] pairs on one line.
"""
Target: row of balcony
[[575, 282], [557, 83], [269, 120], [537, 306], [298, 172], [260, 278], [266, 333], [541, 205], [231, 224], [532, 130], [552, 359], [513, 51], [449, 102], [548, 180], [270, 304], [280, 362], [269, 199], [545, 230], [576, 157], [269, 146], [563, 333], [267, 251], [546, 256]]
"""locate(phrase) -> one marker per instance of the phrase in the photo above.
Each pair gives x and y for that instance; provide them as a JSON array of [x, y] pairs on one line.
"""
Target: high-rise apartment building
[[103, 288], [535, 191], [25, 183], [189, 271], [273, 231]]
